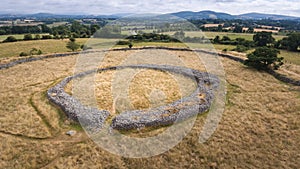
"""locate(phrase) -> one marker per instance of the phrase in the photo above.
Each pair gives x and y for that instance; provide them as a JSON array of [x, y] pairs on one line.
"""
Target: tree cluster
[[241, 43], [76, 30], [152, 37], [180, 35], [292, 42], [109, 31]]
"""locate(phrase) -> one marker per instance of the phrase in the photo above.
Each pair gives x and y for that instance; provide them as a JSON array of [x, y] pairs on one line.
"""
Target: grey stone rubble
[[71, 133], [31, 59], [93, 119], [278, 76], [88, 117], [176, 111]]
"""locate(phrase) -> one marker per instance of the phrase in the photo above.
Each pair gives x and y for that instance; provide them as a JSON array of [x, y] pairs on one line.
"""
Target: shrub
[[84, 47], [75, 35], [225, 38], [72, 39], [216, 39], [241, 48], [10, 39], [27, 37], [123, 42], [130, 45], [73, 45], [37, 37], [46, 37], [23, 54], [35, 51]]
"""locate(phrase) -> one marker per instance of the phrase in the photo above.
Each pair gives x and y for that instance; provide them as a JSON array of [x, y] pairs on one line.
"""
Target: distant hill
[[266, 16], [49, 15], [220, 15], [183, 14], [203, 15]]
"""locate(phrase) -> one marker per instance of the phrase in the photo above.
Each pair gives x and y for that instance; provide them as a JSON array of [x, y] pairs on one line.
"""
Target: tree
[[263, 38], [292, 42], [238, 29], [72, 45], [179, 35], [109, 32], [250, 30], [220, 28], [264, 58], [216, 39], [46, 37], [94, 28], [241, 48], [2, 32], [130, 45], [61, 30], [37, 37], [225, 38], [28, 37], [10, 39], [46, 29]]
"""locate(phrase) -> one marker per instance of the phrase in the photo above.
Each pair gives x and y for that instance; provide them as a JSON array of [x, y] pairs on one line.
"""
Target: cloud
[[288, 7]]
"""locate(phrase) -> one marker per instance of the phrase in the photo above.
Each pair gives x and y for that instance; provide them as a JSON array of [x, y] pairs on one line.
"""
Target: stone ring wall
[[198, 102], [277, 75]]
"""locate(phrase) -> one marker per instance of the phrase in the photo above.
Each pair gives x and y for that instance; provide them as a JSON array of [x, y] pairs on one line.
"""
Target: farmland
[[59, 46], [17, 36], [47, 46], [231, 35]]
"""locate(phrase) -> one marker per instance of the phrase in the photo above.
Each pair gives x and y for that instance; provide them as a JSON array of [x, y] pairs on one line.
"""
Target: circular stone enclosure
[[198, 102]]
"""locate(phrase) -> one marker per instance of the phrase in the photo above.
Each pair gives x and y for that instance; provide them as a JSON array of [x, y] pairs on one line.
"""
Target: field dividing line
[[23, 136], [50, 128]]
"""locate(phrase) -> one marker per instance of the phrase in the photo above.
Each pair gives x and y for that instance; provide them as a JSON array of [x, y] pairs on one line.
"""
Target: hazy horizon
[[101, 7]]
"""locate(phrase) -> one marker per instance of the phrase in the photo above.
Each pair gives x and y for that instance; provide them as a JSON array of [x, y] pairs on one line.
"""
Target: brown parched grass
[[260, 127]]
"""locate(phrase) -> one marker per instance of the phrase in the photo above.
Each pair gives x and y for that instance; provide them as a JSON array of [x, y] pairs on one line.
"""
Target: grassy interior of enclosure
[[148, 88], [260, 127]]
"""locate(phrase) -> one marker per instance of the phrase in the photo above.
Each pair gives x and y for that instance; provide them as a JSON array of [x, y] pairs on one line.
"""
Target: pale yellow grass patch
[[22, 96], [145, 84]]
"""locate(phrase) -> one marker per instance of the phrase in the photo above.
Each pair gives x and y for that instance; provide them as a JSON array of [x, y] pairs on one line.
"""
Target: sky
[[98, 7]]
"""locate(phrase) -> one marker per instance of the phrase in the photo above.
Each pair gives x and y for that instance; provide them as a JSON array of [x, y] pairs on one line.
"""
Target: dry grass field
[[13, 49], [18, 36], [260, 127]]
